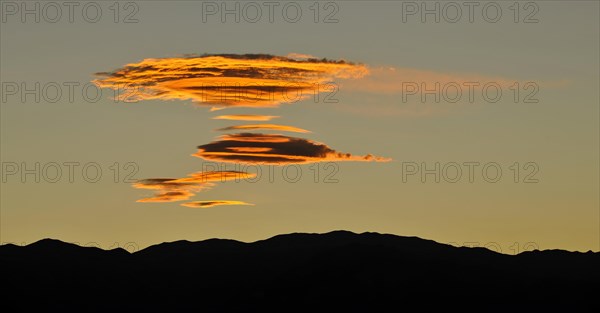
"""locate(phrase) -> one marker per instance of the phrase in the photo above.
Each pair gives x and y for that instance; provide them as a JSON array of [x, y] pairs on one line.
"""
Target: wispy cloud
[[179, 189], [419, 92], [396, 80]]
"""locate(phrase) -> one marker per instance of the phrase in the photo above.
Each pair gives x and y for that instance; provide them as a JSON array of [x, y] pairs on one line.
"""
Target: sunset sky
[[341, 103]]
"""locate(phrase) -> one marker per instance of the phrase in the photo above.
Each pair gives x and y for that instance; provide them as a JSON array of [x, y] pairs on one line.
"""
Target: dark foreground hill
[[334, 272]]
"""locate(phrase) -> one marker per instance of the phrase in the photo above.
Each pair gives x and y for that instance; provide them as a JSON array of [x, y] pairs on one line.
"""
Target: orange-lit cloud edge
[[265, 126], [212, 203], [245, 117]]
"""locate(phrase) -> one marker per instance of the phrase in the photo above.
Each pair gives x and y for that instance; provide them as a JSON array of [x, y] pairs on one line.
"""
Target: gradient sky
[[560, 133]]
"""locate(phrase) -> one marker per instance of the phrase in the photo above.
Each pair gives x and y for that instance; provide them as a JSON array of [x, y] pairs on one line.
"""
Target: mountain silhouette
[[338, 271]]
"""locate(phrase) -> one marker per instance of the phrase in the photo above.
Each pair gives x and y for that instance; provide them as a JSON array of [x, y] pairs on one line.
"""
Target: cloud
[[266, 126], [178, 189], [162, 183], [391, 80], [169, 196], [418, 92], [245, 117], [274, 149], [213, 176], [227, 80], [233, 80], [300, 56], [212, 203], [402, 110]]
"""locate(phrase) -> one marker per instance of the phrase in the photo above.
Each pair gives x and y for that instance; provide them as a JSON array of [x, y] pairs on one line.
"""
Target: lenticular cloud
[[273, 149], [227, 80], [232, 81]]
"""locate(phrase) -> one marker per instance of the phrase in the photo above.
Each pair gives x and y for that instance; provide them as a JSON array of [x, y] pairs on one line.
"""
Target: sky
[[170, 121]]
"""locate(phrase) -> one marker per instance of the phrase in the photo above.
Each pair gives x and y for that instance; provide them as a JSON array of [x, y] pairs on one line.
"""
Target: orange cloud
[[204, 177], [266, 126], [212, 203], [169, 196], [249, 149], [255, 138], [227, 80], [274, 149], [162, 184], [245, 117], [178, 189]]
